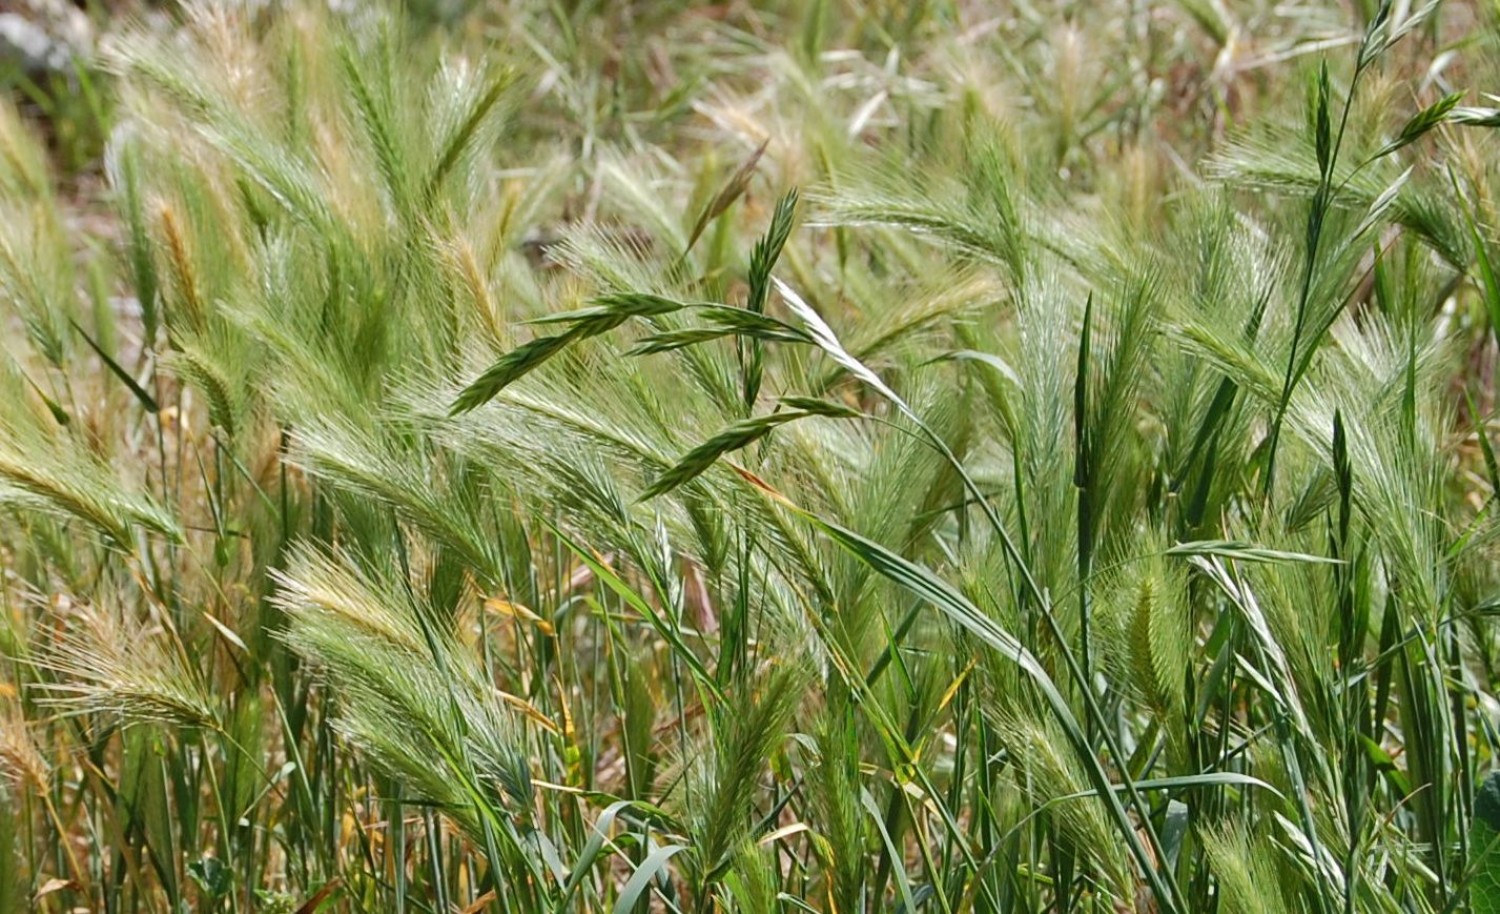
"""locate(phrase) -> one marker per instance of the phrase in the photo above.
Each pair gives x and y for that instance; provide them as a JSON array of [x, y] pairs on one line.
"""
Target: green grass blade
[[653, 867]]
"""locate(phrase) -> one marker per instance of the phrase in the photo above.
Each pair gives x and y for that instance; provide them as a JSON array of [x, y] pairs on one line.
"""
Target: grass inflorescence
[[836, 456]]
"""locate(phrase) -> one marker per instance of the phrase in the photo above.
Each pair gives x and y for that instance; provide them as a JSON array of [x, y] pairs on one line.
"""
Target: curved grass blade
[[591, 849], [1248, 552], [903, 881], [147, 401], [655, 864]]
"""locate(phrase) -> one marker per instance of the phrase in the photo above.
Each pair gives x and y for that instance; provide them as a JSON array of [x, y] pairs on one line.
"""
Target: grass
[[835, 457]]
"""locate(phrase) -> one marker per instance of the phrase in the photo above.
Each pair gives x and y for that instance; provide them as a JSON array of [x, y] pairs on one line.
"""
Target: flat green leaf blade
[[147, 401], [655, 863], [898, 861], [591, 849], [1248, 552], [1484, 840]]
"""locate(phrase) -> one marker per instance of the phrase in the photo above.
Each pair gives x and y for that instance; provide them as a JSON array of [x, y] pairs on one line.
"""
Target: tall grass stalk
[[585, 457]]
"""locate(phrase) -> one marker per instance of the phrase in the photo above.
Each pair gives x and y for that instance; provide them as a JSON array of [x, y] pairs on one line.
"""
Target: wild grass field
[[836, 456]]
